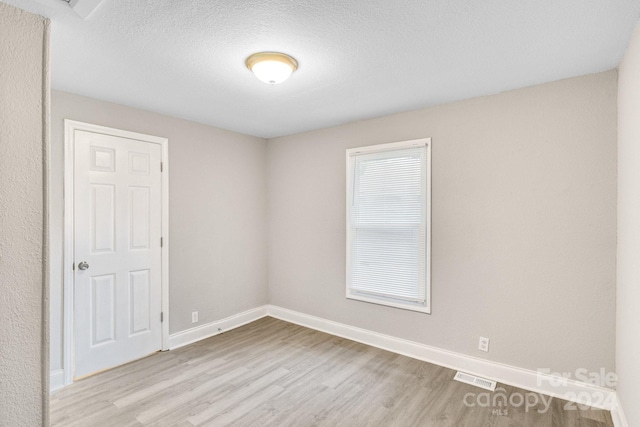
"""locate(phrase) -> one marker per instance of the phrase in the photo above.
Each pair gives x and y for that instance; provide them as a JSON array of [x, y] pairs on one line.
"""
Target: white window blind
[[387, 224]]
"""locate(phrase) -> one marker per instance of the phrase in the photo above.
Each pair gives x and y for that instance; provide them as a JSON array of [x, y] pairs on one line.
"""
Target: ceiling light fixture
[[272, 67]]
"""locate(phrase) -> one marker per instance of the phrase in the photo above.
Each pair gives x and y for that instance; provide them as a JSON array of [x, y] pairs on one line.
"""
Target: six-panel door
[[117, 231]]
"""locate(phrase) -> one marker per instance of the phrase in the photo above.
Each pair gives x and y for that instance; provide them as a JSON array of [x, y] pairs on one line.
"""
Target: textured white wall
[[628, 308], [23, 108], [217, 212], [524, 224]]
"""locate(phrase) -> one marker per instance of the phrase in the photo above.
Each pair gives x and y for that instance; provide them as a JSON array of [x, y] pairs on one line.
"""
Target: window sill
[[422, 308]]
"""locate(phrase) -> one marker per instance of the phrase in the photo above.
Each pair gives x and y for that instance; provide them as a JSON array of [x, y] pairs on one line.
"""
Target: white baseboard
[[56, 380], [201, 332], [526, 379], [562, 388], [617, 415]]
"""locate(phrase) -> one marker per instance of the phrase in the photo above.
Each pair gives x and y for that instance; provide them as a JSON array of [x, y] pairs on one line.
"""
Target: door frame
[[70, 126]]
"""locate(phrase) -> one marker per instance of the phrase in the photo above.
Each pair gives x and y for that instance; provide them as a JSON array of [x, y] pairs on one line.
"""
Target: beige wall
[[217, 212], [24, 91], [628, 312], [523, 225]]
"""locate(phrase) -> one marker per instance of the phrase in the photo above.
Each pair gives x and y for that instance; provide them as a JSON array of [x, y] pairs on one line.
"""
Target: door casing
[[70, 126]]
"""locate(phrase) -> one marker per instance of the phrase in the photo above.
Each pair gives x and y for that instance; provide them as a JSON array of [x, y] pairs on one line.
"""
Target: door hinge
[[161, 242], [161, 166], [161, 317]]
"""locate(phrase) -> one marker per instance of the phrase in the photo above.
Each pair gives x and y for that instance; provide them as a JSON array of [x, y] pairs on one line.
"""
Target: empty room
[[320, 213]]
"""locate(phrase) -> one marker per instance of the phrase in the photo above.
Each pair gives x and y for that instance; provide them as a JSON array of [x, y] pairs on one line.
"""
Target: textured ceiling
[[358, 59]]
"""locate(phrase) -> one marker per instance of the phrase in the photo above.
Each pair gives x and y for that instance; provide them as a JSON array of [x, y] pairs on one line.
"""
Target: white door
[[117, 248]]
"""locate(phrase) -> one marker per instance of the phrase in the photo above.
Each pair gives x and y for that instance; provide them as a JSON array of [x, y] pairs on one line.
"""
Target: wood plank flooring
[[274, 373]]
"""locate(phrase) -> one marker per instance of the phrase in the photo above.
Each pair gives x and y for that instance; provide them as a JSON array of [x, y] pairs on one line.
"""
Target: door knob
[[83, 265]]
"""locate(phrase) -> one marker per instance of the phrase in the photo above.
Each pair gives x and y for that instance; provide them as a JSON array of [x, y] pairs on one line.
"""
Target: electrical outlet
[[483, 345], [194, 317]]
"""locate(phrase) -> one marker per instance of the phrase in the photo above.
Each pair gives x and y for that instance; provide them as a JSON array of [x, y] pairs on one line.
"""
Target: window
[[388, 224]]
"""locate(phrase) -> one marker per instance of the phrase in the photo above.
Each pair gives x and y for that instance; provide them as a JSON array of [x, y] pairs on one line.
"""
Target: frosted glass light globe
[[272, 72], [272, 67]]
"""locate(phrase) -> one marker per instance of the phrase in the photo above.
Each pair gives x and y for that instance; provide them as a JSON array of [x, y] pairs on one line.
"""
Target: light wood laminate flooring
[[274, 373]]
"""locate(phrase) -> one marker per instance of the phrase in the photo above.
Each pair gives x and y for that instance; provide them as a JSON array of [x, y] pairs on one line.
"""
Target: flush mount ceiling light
[[271, 67]]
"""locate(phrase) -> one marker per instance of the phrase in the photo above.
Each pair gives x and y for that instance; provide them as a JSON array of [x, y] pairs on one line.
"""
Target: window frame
[[382, 300]]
